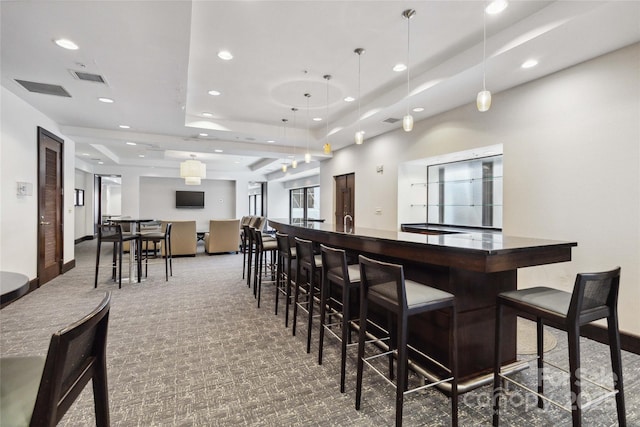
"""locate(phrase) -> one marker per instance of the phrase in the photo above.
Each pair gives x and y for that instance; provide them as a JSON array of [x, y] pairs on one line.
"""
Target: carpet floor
[[196, 351]]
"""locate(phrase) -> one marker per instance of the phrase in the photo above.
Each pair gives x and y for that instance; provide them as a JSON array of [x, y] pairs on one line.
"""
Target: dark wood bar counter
[[474, 266]]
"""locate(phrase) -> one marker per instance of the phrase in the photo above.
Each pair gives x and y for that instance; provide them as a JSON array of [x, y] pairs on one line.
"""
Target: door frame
[[349, 184]]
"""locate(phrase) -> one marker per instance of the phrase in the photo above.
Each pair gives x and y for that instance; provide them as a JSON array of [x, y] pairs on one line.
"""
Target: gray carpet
[[195, 351]]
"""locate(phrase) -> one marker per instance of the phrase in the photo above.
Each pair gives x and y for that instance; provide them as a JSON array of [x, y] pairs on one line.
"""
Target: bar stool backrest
[[334, 264], [253, 220], [245, 220], [284, 245], [110, 232], [383, 283], [595, 295], [304, 253], [77, 354]]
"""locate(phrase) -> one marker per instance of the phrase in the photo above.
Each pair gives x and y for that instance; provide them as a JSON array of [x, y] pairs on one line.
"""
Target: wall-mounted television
[[189, 199]]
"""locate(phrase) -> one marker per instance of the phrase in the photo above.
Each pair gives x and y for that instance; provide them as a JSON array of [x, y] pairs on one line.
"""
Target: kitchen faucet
[[345, 222]]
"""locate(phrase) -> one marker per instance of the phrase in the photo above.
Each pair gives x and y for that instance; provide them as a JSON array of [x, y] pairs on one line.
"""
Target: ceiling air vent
[[391, 120], [44, 88], [88, 77]]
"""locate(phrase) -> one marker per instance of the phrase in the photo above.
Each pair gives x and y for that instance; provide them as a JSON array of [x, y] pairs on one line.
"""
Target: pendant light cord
[[484, 50], [408, 65]]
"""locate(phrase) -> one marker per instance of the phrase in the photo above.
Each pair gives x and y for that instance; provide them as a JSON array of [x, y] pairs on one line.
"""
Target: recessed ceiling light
[[496, 6], [101, 163], [399, 67], [218, 151], [529, 63], [131, 143], [204, 134], [214, 92], [124, 127], [85, 154], [106, 100], [271, 141], [140, 155], [237, 162], [225, 54], [418, 109], [207, 115], [317, 119], [349, 99], [67, 44]]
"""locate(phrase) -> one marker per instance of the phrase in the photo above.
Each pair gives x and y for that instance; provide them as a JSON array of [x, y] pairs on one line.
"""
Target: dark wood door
[[50, 206], [345, 196]]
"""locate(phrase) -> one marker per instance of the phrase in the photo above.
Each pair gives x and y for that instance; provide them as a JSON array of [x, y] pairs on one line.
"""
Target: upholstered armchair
[[223, 236], [183, 238]]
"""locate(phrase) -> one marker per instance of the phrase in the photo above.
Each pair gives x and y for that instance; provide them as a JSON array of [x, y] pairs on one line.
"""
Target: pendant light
[[193, 171], [327, 146], [359, 137], [407, 120], [294, 161], [483, 101], [307, 155]]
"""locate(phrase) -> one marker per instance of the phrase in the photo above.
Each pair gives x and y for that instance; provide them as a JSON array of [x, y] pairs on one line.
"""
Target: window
[[466, 193], [304, 203], [256, 189]]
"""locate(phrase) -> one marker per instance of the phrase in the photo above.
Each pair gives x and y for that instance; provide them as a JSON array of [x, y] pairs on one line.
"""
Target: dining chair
[[38, 391]]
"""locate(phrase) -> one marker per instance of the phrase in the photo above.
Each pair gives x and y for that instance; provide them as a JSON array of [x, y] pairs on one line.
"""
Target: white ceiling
[[159, 60]]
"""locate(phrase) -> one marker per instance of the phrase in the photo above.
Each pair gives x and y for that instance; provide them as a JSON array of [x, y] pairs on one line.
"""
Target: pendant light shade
[[483, 100], [359, 136], [407, 120], [284, 167], [193, 171], [294, 163], [407, 123]]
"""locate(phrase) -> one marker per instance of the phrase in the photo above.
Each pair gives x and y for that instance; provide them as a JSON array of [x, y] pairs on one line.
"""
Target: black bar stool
[[335, 270], [384, 285], [262, 268], [164, 239], [249, 249], [286, 261], [311, 264], [112, 233], [594, 296]]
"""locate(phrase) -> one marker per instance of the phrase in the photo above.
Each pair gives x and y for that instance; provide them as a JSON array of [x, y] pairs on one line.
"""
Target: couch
[[223, 236]]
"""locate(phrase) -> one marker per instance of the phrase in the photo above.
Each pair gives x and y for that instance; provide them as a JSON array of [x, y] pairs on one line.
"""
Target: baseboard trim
[[82, 239], [68, 266]]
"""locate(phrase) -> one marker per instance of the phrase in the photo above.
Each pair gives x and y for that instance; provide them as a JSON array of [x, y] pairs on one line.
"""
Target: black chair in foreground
[[384, 285], [38, 391], [112, 233], [594, 296]]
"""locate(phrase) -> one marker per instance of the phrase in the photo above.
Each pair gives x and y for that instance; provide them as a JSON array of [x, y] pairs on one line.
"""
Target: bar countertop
[[491, 246]]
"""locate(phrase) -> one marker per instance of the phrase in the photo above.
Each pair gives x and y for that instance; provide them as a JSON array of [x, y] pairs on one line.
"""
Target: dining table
[[12, 286], [134, 227]]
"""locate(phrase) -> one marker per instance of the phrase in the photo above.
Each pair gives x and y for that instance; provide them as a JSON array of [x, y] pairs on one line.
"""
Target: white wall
[[571, 168], [158, 200], [19, 162], [84, 214]]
